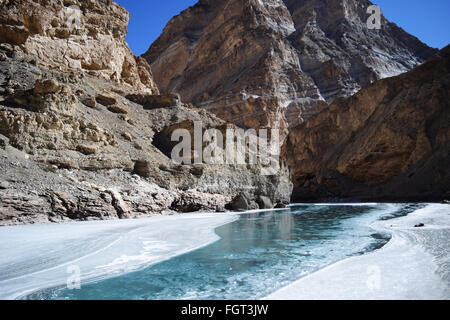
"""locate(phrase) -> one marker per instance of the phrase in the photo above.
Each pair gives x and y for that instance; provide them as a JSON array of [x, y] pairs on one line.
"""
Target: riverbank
[[415, 264], [35, 257]]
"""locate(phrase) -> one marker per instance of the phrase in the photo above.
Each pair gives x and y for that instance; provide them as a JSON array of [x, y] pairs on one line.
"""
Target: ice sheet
[[38, 256], [414, 265]]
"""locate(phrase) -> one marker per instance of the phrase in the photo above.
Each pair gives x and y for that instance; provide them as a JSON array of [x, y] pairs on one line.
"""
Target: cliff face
[[232, 58], [274, 63], [390, 141], [81, 125], [341, 54], [75, 36]]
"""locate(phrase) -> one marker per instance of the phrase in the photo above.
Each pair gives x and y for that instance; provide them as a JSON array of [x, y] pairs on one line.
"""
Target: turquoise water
[[256, 255]]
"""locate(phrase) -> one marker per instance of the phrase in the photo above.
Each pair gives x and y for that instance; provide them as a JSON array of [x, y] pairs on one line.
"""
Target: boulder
[[192, 201], [264, 202], [106, 100], [127, 136], [142, 168], [120, 109], [122, 209], [46, 86], [280, 206], [87, 150], [150, 102], [4, 185], [89, 102], [242, 202]]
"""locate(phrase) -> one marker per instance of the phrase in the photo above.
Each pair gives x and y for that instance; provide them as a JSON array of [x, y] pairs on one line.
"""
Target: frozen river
[[209, 256]]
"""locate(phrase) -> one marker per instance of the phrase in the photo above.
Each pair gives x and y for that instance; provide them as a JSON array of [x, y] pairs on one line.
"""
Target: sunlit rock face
[[231, 58], [79, 114], [338, 50], [390, 141], [75, 36], [275, 63]]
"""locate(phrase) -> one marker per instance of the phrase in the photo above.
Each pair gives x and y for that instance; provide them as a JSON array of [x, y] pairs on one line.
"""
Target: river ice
[[414, 265], [41, 256]]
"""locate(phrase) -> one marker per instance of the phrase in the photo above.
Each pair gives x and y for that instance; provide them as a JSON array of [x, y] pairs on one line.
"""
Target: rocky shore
[[82, 126]]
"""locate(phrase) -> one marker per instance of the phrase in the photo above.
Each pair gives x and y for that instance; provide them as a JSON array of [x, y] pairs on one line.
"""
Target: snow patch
[[38, 256], [406, 268]]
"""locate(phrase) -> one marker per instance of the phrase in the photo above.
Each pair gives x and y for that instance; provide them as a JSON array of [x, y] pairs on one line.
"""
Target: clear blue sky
[[148, 18], [426, 19]]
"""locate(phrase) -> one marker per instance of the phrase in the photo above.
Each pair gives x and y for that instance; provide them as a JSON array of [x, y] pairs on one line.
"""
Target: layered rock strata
[[275, 63], [77, 130], [390, 141]]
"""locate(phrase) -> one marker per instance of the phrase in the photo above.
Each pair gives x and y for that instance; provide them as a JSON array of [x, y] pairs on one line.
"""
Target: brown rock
[[89, 102], [95, 42], [150, 102], [275, 63], [142, 168], [121, 109], [193, 201], [264, 202], [127, 136], [87, 150], [197, 171], [388, 142], [243, 202], [106, 100], [122, 209], [46, 86]]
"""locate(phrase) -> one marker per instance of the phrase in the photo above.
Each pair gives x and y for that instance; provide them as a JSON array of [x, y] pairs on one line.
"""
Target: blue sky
[[428, 20]]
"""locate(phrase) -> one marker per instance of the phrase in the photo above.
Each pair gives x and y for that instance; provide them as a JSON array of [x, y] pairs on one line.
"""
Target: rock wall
[[77, 142], [275, 63], [390, 141], [228, 58], [75, 36]]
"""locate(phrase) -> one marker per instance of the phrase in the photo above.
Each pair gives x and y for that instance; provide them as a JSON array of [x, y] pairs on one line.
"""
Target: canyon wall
[[275, 63], [74, 37], [390, 141], [81, 125]]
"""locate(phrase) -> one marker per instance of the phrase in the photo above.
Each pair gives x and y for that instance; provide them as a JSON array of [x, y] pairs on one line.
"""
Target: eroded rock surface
[[77, 134], [390, 141], [76, 37], [275, 63]]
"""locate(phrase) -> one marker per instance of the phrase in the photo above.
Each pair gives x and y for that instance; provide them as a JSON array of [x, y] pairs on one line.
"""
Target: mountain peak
[[274, 63]]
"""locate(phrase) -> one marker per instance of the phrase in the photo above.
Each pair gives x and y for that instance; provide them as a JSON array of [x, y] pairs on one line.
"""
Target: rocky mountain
[[83, 129], [274, 63], [75, 37], [390, 141]]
